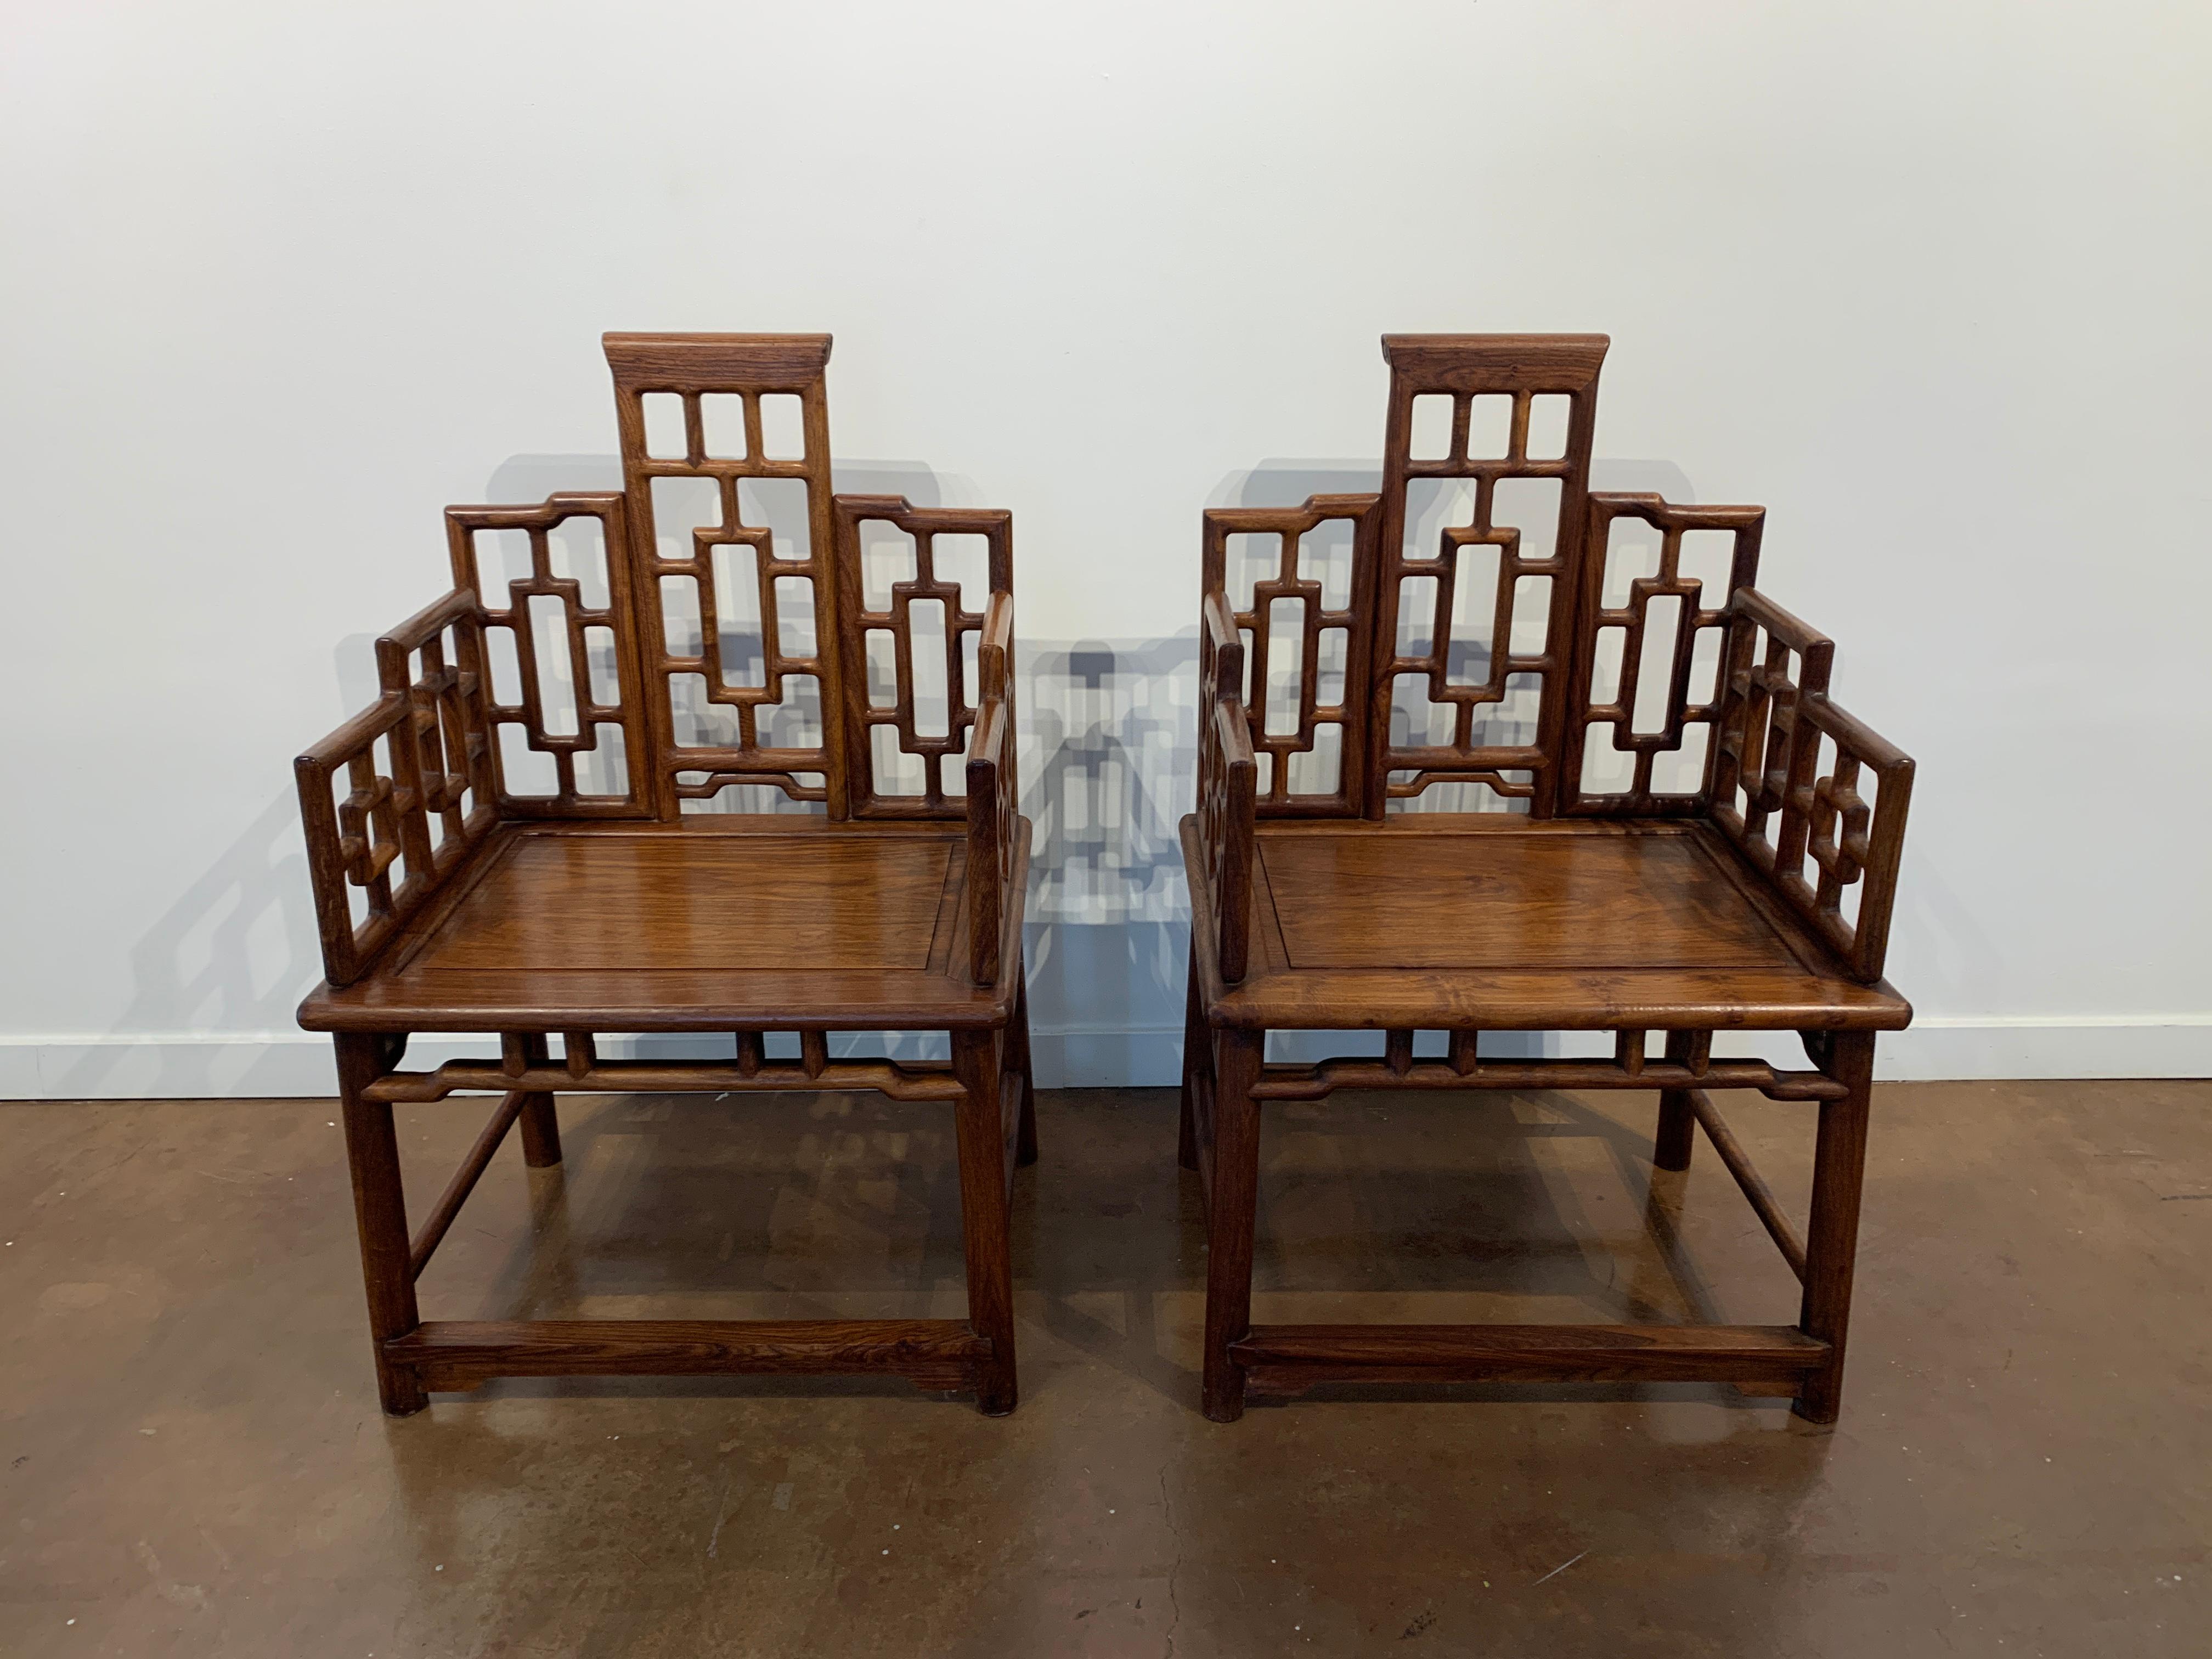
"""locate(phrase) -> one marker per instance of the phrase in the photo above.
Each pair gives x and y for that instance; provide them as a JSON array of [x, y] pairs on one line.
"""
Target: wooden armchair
[[501, 844], [1667, 762]]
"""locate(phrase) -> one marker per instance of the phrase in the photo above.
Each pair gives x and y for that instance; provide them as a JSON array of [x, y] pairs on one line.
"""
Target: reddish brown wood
[[933, 1353], [1676, 1137], [1232, 1181], [1786, 754], [1686, 704], [451, 895], [1197, 1051], [985, 1161], [379, 1207], [1719, 896], [993, 809], [1832, 1239], [1521, 368], [1017, 1065], [1227, 777], [747, 367], [1285, 1358], [541, 1126], [595, 720], [1346, 713], [992, 624]]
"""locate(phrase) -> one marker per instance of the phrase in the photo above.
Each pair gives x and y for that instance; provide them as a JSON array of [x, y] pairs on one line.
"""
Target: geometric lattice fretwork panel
[[1809, 794], [917, 584], [1299, 583], [554, 628], [1647, 692], [725, 455], [1486, 469]]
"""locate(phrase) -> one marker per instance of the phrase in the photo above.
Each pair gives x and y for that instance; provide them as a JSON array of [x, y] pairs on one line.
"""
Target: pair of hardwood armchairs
[[1693, 838]]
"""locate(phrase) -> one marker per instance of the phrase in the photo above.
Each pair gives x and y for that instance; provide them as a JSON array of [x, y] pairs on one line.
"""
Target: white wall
[[1928, 278]]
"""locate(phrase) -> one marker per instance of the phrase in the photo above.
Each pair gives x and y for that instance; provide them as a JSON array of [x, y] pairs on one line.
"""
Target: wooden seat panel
[[1504, 923], [710, 923], [649, 901], [1493, 901]]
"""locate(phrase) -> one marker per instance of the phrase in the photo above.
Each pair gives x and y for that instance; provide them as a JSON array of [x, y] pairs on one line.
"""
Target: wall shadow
[[1108, 763]]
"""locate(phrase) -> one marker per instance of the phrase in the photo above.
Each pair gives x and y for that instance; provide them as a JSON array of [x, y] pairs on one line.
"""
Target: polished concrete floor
[[194, 1462]]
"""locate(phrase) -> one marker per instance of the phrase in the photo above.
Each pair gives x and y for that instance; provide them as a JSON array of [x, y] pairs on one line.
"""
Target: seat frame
[[1782, 792], [407, 805]]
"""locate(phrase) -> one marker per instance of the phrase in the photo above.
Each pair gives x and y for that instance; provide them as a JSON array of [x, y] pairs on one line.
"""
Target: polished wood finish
[[932, 1353], [1679, 831], [511, 840], [1285, 1358]]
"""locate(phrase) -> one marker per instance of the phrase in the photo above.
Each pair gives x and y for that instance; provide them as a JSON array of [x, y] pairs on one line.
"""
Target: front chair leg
[[1231, 1217], [380, 1208], [1831, 1238], [986, 1235]]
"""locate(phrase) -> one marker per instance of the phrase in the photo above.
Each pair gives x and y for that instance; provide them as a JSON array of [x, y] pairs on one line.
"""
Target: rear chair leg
[[541, 1130], [540, 1133], [1231, 1217], [1831, 1238], [380, 1213], [1677, 1133], [983, 1217], [1017, 1059], [1194, 1038]]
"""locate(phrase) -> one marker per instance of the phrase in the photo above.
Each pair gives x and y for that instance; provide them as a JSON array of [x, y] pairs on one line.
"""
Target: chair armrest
[[422, 805], [1228, 780], [994, 796], [1786, 755]]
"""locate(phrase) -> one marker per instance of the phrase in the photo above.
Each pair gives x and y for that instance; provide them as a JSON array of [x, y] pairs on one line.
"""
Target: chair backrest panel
[[770, 718], [1469, 616], [761, 660]]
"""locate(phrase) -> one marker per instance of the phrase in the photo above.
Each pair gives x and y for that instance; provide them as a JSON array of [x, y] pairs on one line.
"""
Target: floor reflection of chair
[[1685, 770], [454, 897]]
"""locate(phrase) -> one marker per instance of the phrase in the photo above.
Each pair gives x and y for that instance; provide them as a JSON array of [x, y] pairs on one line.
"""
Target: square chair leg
[[380, 1210], [1230, 1217], [984, 1180], [1832, 1239]]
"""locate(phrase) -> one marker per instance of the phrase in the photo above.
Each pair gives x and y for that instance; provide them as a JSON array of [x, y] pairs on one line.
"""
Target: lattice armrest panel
[[565, 646], [1646, 670], [408, 783], [1791, 777], [1310, 663], [908, 690], [994, 804], [1227, 784]]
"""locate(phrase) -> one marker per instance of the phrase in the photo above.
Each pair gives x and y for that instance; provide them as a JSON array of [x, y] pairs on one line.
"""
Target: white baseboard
[[170, 1065], [1936, 1049]]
